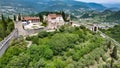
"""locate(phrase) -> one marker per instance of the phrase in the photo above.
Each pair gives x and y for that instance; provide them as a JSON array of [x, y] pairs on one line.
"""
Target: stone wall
[[4, 44], [33, 31]]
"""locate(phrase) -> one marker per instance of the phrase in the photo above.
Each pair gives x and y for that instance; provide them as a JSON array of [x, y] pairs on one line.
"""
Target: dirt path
[[29, 43]]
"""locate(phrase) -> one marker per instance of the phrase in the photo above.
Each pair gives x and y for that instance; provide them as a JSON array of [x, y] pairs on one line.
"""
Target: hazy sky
[[101, 1]]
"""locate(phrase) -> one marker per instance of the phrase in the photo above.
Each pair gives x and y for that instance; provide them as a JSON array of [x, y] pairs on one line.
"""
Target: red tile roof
[[31, 18], [52, 16]]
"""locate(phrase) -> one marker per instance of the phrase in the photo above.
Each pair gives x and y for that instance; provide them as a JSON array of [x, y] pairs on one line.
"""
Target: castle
[[54, 21]]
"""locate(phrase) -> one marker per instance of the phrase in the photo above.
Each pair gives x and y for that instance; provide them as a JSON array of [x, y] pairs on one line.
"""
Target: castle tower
[[95, 28]]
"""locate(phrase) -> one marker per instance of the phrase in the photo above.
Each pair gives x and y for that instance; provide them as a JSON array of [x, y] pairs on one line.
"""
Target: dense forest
[[6, 26], [113, 32], [68, 47]]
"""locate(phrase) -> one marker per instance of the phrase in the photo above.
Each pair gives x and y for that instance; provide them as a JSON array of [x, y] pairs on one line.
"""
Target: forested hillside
[[113, 32], [105, 16], [6, 26], [114, 17], [70, 47]]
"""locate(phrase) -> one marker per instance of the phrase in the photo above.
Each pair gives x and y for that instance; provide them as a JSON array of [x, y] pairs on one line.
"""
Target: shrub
[[42, 34], [114, 53], [48, 54], [35, 40], [0, 39], [28, 38], [40, 63], [75, 57], [104, 58], [101, 66], [60, 42], [59, 63], [70, 66], [38, 51]]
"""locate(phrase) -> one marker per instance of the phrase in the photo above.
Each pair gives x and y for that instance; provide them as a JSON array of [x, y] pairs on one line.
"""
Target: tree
[[114, 53], [14, 18], [63, 15], [109, 45], [111, 64], [21, 61], [42, 34], [4, 25], [41, 17], [35, 40], [9, 20], [62, 29], [60, 42], [10, 27], [40, 51], [76, 56], [19, 17], [44, 23], [83, 27], [40, 63], [59, 63], [48, 54]]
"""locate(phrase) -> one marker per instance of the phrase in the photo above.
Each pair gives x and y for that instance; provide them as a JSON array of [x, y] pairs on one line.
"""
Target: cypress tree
[[4, 25], [41, 17], [4, 22], [111, 64], [9, 20], [14, 18], [109, 45], [19, 17], [63, 15], [114, 53]]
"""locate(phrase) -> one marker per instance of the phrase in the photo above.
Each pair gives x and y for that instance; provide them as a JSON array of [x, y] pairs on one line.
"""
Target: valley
[[33, 6]]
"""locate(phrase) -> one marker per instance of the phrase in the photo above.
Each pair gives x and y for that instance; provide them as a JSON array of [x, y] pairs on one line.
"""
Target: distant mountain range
[[105, 16], [15, 6], [116, 5], [11, 7]]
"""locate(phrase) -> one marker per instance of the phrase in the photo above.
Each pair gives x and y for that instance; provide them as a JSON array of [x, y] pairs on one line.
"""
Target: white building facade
[[54, 21]]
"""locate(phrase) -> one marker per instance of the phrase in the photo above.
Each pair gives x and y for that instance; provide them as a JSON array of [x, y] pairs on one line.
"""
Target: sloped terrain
[[67, 48]]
